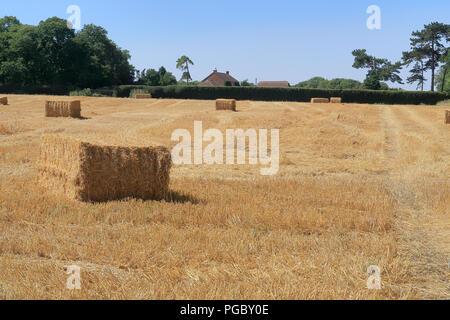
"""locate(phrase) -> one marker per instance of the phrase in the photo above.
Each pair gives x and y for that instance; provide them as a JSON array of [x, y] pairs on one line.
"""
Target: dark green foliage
[[378, 69], [288, 94], [416, 57], [58, 90], [246, 83], [152, 77], [50, 54], [372, 81], [322, 83], [443, 77], [92, 93], [429, 43], [183, 64]]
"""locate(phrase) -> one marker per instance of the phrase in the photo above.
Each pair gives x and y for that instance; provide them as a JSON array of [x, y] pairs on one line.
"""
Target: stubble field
[[358, 185]]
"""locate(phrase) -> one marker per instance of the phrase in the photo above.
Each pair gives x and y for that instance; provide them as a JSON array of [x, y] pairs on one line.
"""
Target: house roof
[[282, 84], [218, 79]]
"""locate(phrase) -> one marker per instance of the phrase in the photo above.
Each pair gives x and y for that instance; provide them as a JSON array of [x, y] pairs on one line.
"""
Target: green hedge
[[59, 90], [250, 93], [287, 94]]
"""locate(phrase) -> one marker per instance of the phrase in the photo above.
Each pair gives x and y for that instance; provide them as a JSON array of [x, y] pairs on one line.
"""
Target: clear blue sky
[[290, 40]]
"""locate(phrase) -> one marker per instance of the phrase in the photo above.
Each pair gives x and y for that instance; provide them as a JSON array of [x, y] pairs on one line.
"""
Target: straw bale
[[226, 104], [335, 100], [143, 96], [447, 117], [320, 100], [4, 100], [96, 173], [63, 109]]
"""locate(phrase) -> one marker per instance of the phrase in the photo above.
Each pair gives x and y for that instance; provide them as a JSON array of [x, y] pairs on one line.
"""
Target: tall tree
[[55, 45], [430, 41], [443, 78], [419, 68], [379, 69], [183, 65], [106, 63], [13, 68]]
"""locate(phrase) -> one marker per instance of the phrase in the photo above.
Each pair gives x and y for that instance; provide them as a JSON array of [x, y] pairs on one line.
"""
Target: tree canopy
[[152, 77], [379, 69], [415, 57], [183, 64], [443, 77], [51, 53], [322, 83], [429, 44]]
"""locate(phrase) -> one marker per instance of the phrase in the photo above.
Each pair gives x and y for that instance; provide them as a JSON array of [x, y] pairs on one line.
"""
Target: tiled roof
[[218, 79]]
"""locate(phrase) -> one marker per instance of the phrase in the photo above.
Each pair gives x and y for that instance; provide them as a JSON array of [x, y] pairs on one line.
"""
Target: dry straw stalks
[[226, 104], [96, 173], [4, 101], [447, 117], [63, 109]]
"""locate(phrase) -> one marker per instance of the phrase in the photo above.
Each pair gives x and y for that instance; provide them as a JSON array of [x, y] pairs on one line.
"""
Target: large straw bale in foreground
[[226, 104], [320, 100], [63, 109], [4, 100], [336, 100], [88, 172], [143, 96], [447, 117]]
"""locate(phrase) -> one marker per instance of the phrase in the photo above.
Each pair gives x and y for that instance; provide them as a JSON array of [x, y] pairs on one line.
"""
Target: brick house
[[219, 79]]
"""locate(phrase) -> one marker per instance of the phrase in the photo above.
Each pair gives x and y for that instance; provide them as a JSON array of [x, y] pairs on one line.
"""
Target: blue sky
[[290, 40]]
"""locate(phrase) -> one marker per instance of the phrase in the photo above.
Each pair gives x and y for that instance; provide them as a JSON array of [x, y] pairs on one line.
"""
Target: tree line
[[428, 51], [339, 83], [52, 54]]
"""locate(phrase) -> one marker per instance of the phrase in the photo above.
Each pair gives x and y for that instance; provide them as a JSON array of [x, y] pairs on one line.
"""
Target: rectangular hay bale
[[335, 100], [320, 100], [96, 173], [143, 96], [4, 100], [226, 104], [63, 109], [447, 117]]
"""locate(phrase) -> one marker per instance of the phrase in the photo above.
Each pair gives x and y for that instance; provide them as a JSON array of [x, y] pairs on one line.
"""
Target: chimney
[[215, 70], [228, 72]]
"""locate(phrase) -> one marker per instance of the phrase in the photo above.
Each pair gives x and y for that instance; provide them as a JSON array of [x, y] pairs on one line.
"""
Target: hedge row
[[59, 90], [251, 93], [287, 94]]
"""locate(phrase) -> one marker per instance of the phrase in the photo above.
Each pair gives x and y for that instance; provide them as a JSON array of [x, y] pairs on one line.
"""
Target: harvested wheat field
[[358, 185]]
